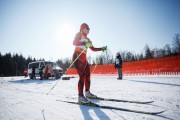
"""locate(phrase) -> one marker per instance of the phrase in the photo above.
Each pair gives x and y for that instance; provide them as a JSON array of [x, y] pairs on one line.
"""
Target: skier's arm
[[95, 49], [77, 41], [91, 46]]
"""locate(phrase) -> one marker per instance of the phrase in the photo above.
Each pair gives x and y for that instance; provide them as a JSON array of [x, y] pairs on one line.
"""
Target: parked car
[[53, 71]]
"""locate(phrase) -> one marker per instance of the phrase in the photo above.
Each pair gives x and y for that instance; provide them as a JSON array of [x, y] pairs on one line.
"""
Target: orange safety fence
[[157, 66]]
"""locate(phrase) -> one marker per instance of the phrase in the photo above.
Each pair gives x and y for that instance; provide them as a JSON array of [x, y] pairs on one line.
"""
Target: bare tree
[[176, 43], [123, 55], [167, 49], [148, 53], [130, 56], [99, 60]]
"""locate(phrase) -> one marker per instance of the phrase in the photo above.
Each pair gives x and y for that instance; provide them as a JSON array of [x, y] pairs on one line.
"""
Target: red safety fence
[[157, 66]]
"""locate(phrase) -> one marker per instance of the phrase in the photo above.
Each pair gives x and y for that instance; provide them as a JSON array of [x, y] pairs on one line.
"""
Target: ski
[[118, 100], [110, 107]]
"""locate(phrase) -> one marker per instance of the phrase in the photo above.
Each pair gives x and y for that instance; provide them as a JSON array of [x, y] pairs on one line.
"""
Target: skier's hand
[[104, 48], [88, 44]]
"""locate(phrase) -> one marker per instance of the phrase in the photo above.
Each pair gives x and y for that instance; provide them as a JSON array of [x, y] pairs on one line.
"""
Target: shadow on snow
[[160, 83], [29, 81], [86, 113]]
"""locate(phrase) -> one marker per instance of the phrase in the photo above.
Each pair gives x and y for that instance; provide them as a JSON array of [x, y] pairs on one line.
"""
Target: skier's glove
[[104, 48], [88, 44]]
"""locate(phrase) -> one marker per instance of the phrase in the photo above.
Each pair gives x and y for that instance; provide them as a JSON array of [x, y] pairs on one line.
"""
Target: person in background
[[41, 71], [25, 73], [46, 71], [118, 65], [33, 73], [50, 71], [82, 43], [56, 74]]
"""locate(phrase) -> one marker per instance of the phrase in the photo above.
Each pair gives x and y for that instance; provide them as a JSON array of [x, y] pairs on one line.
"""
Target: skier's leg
[[81, 72], [87, 81], [81, 81], [82, 77]]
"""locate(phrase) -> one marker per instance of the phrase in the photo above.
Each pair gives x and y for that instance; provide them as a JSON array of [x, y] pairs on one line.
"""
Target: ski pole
[[69, 67], [52, 87], [96, 65], [94, 69], [76, 58]]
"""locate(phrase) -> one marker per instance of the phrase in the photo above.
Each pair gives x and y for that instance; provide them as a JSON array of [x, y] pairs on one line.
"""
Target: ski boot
[[83, 100], [90, 95]]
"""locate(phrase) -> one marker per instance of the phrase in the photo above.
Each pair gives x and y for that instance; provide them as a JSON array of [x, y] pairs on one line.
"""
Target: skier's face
[[86, 30]]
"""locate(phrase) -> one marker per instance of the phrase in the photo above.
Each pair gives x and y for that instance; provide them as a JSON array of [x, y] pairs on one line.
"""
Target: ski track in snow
[[24, 99]]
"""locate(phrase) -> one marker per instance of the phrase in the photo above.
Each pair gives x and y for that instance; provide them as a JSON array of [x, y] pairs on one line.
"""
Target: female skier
[[82, 43]]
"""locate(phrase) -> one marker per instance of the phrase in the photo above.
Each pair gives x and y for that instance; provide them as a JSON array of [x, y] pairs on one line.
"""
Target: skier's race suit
[[81, 64]]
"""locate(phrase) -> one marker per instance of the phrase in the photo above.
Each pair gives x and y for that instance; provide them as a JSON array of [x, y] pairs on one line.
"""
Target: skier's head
[[84, 28], [118, 53]]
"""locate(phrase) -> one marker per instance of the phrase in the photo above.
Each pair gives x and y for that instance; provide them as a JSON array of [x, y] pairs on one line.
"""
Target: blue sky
[[46, 28]]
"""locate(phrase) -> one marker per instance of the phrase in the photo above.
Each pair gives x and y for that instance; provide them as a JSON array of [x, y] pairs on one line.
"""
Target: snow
[[24, 99]]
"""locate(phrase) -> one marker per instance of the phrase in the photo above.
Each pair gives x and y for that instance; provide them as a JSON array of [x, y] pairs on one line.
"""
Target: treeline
[[147, 53], [14, 65], [64, 63]]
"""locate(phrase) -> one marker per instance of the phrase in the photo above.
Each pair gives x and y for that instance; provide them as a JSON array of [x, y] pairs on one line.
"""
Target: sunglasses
[[87, 28]]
